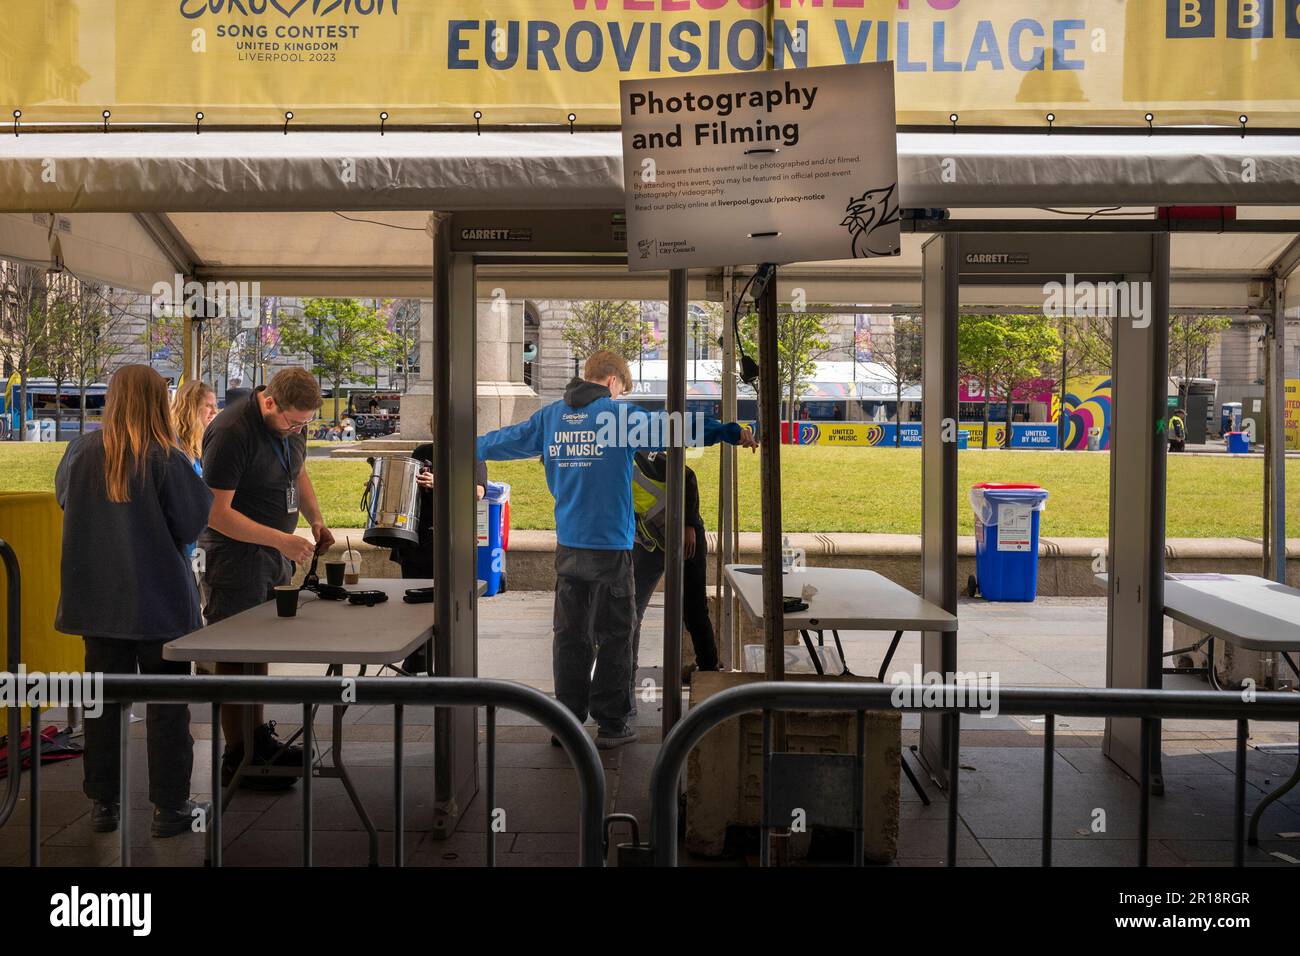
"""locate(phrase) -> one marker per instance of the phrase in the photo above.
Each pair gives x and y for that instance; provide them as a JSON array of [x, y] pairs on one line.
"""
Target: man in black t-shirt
[[253, 455]]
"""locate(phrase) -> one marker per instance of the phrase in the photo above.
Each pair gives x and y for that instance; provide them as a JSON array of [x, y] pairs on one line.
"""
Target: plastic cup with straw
[[351, 564]]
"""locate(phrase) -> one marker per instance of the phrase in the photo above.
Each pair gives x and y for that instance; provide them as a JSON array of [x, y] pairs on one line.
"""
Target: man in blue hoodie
[[587, 442]]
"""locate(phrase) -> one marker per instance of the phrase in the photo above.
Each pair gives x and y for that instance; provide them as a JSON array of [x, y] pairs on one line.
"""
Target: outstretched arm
[[515, 441], [657, 431]]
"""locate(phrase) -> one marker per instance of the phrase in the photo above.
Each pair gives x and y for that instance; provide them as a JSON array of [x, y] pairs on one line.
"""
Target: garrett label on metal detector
[[760, 167]]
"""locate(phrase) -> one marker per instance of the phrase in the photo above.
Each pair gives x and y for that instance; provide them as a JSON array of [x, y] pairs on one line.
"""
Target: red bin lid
[[996, 485]]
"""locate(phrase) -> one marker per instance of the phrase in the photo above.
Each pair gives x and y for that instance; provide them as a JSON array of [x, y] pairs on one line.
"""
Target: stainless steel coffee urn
[[391, 502]]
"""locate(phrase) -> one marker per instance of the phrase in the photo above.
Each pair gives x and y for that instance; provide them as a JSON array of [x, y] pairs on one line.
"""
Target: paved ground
[[1054, 642]]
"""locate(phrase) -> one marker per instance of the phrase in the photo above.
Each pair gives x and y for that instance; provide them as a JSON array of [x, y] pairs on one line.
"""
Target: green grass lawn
[[843, 489]]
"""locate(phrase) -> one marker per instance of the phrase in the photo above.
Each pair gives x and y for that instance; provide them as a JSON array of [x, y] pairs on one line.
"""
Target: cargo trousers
[[594, 618]]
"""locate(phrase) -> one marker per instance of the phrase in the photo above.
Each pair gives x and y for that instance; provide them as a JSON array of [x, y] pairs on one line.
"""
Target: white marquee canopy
[[345, 212]]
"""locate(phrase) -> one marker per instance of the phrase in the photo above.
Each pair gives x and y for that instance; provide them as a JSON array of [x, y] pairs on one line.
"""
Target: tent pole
[[676, 402], [1275, 463], [769, 398], [1135, 557], [940, 285], [455, 650], [726, 468]]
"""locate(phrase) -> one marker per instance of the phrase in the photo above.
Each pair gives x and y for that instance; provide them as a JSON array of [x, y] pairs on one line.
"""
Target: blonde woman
[[194, 406], [131, 501]]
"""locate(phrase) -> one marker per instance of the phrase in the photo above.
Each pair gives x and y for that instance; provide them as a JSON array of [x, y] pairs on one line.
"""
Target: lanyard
[[282, 453]]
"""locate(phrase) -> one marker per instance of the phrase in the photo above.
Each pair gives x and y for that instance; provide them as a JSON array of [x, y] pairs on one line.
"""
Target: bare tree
[[99, 322], [899, 353], [406, 326], [56, 358], [596, 325], [23, 297]]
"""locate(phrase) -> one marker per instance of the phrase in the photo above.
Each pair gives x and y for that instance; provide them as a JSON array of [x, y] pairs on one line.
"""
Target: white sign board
[[773, 166], [1015, 527]]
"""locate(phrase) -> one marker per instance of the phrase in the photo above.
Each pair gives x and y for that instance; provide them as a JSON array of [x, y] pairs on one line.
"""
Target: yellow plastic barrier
[[32, 523]]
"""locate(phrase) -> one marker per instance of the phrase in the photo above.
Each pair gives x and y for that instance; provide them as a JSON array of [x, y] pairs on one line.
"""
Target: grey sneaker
[[607, 738], [171, 821]]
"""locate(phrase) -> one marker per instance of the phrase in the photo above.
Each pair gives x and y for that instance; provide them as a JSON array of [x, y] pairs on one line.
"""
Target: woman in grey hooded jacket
[[131, 502]]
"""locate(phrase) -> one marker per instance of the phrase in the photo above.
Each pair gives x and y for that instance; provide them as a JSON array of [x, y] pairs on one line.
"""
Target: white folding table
[[334, 633], [851, 599], [1242, 609]]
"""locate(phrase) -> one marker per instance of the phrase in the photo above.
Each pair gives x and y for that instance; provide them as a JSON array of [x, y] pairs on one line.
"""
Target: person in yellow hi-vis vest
[[649, 487], [1178, 430]]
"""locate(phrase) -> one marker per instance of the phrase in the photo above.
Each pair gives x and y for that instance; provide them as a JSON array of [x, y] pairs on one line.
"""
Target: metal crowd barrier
[[309, 691], [13, 653], [1145, 705]]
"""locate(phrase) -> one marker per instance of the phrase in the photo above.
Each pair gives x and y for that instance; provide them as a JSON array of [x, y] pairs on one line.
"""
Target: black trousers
[[593, 621], [171, 748], [420, 661], [648, 568]]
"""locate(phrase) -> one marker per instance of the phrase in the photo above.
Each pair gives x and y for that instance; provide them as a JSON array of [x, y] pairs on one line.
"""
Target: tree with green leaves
[[1190, 337], [899, 353], [1004, 353], [342, 336], [606, 325], [801, 339]]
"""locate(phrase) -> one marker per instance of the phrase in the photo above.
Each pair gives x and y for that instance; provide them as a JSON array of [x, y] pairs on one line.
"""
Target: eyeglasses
[[295, 426]]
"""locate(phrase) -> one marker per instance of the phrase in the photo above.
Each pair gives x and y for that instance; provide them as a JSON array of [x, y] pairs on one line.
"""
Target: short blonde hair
[[601, 365]]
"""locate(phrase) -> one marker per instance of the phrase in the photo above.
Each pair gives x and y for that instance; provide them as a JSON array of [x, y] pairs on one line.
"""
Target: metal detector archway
[[1136, 555]]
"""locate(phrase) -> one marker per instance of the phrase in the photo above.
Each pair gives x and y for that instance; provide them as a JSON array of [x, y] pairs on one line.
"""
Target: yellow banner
[[997, 432], [1002, 62]]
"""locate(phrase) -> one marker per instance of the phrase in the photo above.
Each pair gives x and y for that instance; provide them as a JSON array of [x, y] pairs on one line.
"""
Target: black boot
[[104, 816]]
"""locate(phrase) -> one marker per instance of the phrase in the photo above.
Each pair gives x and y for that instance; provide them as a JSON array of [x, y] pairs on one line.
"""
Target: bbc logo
[[1242, 19]]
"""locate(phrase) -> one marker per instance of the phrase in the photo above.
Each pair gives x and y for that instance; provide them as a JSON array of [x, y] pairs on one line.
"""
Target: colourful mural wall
[[1087, 405]]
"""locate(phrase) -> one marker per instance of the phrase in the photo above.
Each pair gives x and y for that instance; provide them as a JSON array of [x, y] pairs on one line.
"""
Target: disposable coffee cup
[[286, 600], [351, 567], [334, 573]]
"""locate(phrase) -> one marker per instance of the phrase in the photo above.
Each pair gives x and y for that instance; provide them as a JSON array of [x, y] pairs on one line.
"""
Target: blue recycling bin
[[1006, 540], [491, 565], [1238, 443]]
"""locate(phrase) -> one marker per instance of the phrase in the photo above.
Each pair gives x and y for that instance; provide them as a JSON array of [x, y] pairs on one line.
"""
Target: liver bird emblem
[[868, 213]]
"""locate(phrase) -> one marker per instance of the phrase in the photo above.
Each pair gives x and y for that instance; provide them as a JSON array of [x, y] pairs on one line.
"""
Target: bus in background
[[59, 405]]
